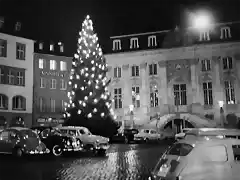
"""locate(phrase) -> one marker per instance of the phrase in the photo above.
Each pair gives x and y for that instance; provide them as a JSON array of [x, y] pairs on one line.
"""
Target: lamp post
[[221, 103]]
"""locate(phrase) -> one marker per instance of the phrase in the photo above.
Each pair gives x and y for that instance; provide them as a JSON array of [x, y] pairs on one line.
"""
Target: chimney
[[18, 26], [1, 22]]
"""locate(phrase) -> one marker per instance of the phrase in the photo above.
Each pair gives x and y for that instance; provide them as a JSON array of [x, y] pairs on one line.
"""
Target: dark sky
[[61, 19]]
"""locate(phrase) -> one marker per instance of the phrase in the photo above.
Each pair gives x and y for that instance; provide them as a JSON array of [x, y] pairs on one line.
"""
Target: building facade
[[51, 75], [177, 74], [16, 79]]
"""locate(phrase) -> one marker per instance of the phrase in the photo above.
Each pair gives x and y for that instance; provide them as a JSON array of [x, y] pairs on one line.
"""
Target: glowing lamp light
[[89, 115], [94, 110], [201, 20], [102, 114], [79, 111], [220, 103], [131, 107]]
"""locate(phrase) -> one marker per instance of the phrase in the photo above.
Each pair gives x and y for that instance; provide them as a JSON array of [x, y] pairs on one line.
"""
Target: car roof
[[213, 131], [19, 128], [210, 141], [71, 127]]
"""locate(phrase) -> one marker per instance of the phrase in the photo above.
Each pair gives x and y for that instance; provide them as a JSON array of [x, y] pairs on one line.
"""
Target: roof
[[19, 128], [213, 131]]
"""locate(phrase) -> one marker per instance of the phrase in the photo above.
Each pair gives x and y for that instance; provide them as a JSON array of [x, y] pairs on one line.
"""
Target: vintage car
[[93, 143], [20, 141], [56, 141], [148, 135], [125, 136], [198, 159]]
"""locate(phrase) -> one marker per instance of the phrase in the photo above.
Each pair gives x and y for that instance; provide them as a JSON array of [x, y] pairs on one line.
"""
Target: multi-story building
[[51, 75], [16, 76], [177, 74]]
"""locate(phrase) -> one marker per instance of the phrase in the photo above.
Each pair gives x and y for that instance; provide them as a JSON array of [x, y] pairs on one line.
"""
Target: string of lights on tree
[[89, 95]]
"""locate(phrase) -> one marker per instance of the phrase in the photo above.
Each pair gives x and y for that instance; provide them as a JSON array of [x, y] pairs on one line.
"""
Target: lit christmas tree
[[89, 98]]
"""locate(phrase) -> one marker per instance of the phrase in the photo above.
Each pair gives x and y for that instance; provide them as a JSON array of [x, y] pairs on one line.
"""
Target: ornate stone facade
[[177, 66]]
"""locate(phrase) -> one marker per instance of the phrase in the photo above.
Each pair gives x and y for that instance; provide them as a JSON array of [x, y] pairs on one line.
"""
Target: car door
[[235, 162], [4, 141]]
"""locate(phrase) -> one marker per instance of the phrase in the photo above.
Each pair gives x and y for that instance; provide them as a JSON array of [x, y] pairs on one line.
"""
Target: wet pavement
[[122, 162]]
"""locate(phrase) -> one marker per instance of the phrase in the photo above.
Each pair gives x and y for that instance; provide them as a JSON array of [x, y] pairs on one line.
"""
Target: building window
[[206, 65], [180, 94], [42, 63], [63, 66], [117, 72], [116, 44], [1, 75], [10, 77], [118, 98], [1, 22], [3, 48], [229, 92], [134, 43], [19, 103], [152, 69], [53, 65], [18, 26], [51, 47], [204, 36], [135, 71], [207, 93], [63, 105], [21, 50], [136, 97], [53, 84], [153, 97], [42, 82], [40, 46], [52, 105], [227, 63], [63, 84], [3, 101], [41, 104], [225, 32], [152, 41], [20, 78], [61, 47]]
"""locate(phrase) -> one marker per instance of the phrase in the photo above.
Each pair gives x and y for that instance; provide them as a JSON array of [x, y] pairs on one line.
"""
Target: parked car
[[199, 159], [168, 134], [20, 141], [181, 135], [56, 141], [93, 143], [125, 136], [148, 135]]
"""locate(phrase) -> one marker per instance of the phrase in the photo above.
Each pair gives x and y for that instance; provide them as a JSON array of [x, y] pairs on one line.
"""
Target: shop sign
[[49, 120], [54, 73]]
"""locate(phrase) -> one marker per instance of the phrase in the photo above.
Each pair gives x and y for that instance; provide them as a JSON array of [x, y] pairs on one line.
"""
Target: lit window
[[118, 98], [134, 43], [53, 84], [225, 32], [227, 63], [42, 63], [63, 66], [52, 105], [204, 36], [136, 97], [135, 71], [152, 41], [63, 84], [207, 93], [21, 51], [53, 65], [40, 46], [206, 65], [229, 92], [51, 47], [117, 72], [152, 69], [116, 44], [180, 94]]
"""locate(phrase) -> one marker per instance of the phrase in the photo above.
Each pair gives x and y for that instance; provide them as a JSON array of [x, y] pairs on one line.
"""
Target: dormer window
[[40, 46], [1, 22], [51, 47], [225, 32], [204, 36], [18, 26], [134, 43], [116, 44], [152, 41], [61, 47]]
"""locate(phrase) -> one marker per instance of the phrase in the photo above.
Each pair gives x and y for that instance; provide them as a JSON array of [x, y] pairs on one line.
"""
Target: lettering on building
[[53, 74]]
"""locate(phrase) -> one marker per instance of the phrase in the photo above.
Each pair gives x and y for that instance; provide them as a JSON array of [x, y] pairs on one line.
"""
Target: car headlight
[[68, 143]]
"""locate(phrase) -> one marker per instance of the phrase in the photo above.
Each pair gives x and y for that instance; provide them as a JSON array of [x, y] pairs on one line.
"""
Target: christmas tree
[[89, 98]]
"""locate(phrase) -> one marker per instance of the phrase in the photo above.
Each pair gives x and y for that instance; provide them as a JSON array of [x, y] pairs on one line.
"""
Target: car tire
[[17, 152], [57, 150]]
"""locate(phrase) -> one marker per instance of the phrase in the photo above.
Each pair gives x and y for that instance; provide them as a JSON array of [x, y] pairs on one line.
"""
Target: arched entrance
[[178, 124]]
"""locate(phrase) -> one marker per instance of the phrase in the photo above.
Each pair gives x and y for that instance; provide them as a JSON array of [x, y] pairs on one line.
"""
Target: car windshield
[[29, 133], [180, 149]]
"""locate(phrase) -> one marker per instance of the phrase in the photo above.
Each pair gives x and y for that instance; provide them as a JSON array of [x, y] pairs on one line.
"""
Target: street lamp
[[131, 108], [221, 103], [201, 20]]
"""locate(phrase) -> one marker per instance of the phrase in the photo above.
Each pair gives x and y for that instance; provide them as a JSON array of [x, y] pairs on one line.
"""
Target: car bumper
[[103, 146], [45, 151], [72, 148]]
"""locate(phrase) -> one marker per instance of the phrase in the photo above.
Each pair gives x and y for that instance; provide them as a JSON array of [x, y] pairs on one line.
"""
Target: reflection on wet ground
[[121, 163]]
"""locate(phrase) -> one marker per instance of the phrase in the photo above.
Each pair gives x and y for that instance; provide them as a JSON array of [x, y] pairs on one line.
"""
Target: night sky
[[61, 19]]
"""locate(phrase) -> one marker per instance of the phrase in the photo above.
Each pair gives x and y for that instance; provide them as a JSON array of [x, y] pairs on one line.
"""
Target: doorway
[[176, 125]]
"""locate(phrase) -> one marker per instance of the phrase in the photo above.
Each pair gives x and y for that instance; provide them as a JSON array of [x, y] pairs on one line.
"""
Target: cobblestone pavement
[[123, 162]]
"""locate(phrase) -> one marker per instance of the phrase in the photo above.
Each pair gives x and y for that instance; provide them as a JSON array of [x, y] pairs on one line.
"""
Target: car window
[[29, 133], [153, 132], [45, 133], [180, 149], [72, 132], [216, 153], [146, 131], [82, 131], [4, 135], [236, 152]]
